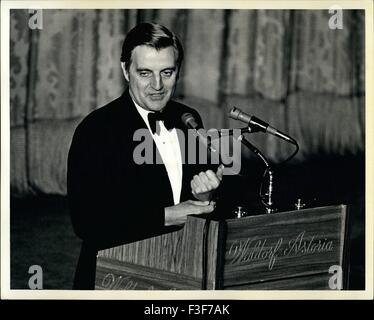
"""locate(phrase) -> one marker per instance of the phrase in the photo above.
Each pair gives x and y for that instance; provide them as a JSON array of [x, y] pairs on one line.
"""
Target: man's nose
[[157, 83]]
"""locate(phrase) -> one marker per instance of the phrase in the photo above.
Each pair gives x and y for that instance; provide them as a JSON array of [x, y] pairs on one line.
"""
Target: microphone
[[258, 124], [190, 122]]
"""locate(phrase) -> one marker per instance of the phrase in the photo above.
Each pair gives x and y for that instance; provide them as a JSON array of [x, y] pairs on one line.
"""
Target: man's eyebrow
[[170, 68], [143, 69], [146, 69]]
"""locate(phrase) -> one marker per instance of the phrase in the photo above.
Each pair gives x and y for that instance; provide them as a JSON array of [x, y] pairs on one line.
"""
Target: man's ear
[[125, 72]]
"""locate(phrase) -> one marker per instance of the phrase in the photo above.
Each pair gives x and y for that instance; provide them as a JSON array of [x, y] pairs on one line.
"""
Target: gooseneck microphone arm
[[251, 147], [254, 125], [268, 202]]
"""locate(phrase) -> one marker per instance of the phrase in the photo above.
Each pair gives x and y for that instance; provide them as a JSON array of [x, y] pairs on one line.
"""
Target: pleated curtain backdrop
[[285, 66]]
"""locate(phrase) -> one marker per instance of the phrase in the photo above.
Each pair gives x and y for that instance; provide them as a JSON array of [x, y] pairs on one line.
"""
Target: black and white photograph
[[186, 149]]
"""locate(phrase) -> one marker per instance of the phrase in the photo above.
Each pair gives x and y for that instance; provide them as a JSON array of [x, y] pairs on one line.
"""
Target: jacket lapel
[[153, 174]]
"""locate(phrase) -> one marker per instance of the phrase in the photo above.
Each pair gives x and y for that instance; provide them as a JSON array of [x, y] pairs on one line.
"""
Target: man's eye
[[167, 73], [144, 73]]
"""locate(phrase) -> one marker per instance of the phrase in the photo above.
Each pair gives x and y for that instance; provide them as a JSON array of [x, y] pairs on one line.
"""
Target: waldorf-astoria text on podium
[[299, 250]]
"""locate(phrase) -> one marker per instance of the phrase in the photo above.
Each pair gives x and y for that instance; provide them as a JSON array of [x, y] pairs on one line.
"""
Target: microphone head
[[237, 114], [234, 113], [189, 120]]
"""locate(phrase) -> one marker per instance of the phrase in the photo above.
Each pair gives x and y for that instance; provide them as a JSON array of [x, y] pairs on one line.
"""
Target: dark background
[[285, 66]]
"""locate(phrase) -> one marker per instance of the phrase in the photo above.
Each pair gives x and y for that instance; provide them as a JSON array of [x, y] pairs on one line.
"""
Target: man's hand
[[178, 214], [204, 184]]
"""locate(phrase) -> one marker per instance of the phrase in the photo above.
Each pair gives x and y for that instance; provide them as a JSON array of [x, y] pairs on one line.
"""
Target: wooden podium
[[295, 250]]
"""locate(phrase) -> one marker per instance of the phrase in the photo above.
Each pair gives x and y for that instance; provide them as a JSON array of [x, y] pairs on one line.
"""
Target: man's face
[[152, 76]]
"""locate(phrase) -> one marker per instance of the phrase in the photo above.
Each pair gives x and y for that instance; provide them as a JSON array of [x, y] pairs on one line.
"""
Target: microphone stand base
[[270, 210]]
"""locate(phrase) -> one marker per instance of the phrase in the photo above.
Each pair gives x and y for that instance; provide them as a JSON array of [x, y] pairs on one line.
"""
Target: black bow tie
[[159, 116]]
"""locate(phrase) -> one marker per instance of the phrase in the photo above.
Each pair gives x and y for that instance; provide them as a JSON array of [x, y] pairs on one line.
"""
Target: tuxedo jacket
[[112, 199]]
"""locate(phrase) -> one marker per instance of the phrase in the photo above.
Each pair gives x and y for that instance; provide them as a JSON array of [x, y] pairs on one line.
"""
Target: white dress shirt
[[167, 144]]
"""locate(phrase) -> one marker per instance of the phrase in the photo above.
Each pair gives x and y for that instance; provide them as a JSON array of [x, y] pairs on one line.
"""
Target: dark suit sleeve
[[102, 212]]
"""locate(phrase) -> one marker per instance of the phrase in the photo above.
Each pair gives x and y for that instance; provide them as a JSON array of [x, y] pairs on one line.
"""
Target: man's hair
[[153, 35]]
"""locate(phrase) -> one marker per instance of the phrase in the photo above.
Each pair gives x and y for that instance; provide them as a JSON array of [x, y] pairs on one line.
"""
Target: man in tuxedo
[[113, 199]]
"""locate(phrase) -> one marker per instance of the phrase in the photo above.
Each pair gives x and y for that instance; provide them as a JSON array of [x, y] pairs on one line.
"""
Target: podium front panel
[[292, 250], [296, 250]]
